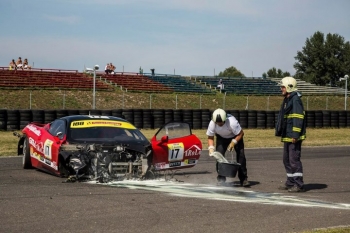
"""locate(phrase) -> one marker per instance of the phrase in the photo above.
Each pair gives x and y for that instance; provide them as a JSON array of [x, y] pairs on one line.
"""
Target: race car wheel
[[62, 168], [27, 163]]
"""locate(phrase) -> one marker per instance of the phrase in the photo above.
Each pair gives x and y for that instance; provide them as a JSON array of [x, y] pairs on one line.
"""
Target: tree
[[275, 73], [231, 72], [323, 60]]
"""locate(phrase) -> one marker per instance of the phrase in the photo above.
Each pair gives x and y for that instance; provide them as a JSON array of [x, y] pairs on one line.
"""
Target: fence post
[[200, 101], [176, 102], [247, 106], [224, 101], [64, 99], [123, 99], [30, 100], [268, 103], [150, 101]]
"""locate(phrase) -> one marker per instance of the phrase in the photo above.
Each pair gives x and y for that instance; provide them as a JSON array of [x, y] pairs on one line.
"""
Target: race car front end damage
[[104, 162]]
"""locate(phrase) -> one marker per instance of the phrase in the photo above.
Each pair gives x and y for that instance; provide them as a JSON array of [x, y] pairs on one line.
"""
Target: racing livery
[[102, 148]]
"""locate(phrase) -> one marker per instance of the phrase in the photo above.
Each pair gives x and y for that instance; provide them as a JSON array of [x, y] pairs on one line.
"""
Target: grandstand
[[311, 89], [241, 86], [133, 82], [180, 84], [259, 86], [48, 79], [152, 83]]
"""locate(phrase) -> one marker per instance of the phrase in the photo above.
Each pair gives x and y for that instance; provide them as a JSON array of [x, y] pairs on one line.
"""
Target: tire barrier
[[3, 119], [243, 119], [335, 119], [318, 119], [197, 119], [155, 118], [326, 119], [261, 119], [206, 117], [25, 117], [128, 114], [252, 119], [138, 121], [147, 119], [270, 119], [13, 120], [50, 115], [310, 119], [342, 119], [168, 115]]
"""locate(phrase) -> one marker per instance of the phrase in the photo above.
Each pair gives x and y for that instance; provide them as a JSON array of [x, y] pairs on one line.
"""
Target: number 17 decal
[[175, 151]]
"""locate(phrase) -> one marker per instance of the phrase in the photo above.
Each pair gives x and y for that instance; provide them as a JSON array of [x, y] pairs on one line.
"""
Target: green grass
[[330, 230], [75, 99]]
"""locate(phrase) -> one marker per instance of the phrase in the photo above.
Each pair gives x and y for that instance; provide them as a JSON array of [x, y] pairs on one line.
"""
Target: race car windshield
[[106, 133]]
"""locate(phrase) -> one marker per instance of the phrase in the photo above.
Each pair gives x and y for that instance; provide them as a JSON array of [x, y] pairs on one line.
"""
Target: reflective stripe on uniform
[[294, 115], [302, 137], [294, 174], [296, 129]]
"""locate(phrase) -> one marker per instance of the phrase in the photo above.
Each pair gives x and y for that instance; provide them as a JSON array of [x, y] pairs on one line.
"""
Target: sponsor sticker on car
[[101, 123]]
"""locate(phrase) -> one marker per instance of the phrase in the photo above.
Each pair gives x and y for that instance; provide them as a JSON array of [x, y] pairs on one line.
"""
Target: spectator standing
[[229, 136], [12, 65], [291, 128], [19, 63], [221, 84]]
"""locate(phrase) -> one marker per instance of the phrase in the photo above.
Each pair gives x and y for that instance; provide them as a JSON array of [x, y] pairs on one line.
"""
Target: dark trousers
[[221, 146], [292, 164]]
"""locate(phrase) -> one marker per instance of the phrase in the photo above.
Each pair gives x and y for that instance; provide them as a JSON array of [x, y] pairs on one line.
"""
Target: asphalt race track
[[33, 201]]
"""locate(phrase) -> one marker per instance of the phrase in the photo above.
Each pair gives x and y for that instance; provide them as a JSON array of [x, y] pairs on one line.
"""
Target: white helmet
[[219, 115], [289, 83]]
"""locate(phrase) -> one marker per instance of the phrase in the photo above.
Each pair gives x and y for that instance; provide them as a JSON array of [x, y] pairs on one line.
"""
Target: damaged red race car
[[105, 148]]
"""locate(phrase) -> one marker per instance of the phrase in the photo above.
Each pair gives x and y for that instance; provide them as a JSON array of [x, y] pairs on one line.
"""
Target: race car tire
[[27, 163], [61, 168]]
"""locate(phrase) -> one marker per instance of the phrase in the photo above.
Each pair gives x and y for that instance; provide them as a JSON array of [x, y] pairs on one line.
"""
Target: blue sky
[[188, 37]]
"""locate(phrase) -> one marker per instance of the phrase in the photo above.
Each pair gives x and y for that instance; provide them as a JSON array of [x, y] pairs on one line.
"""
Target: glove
[[211, 150], [232, 145]]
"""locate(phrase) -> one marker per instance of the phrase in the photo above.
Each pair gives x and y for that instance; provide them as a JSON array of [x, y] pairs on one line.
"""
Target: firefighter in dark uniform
[[229, 136], [291, 127]]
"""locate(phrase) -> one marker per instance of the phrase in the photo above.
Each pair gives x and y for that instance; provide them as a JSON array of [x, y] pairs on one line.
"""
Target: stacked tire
[[270, 119], [158, 118], [318, 119], [206, 117], [147, 119], [38, 116], [168, 115], [128, 115], [138, 118], [25, 117], [12, 120], [197, 119], [117, 113], [3, 121], [261, 119], [187, 116], [243, 119], [49, 116], [310, 119]]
